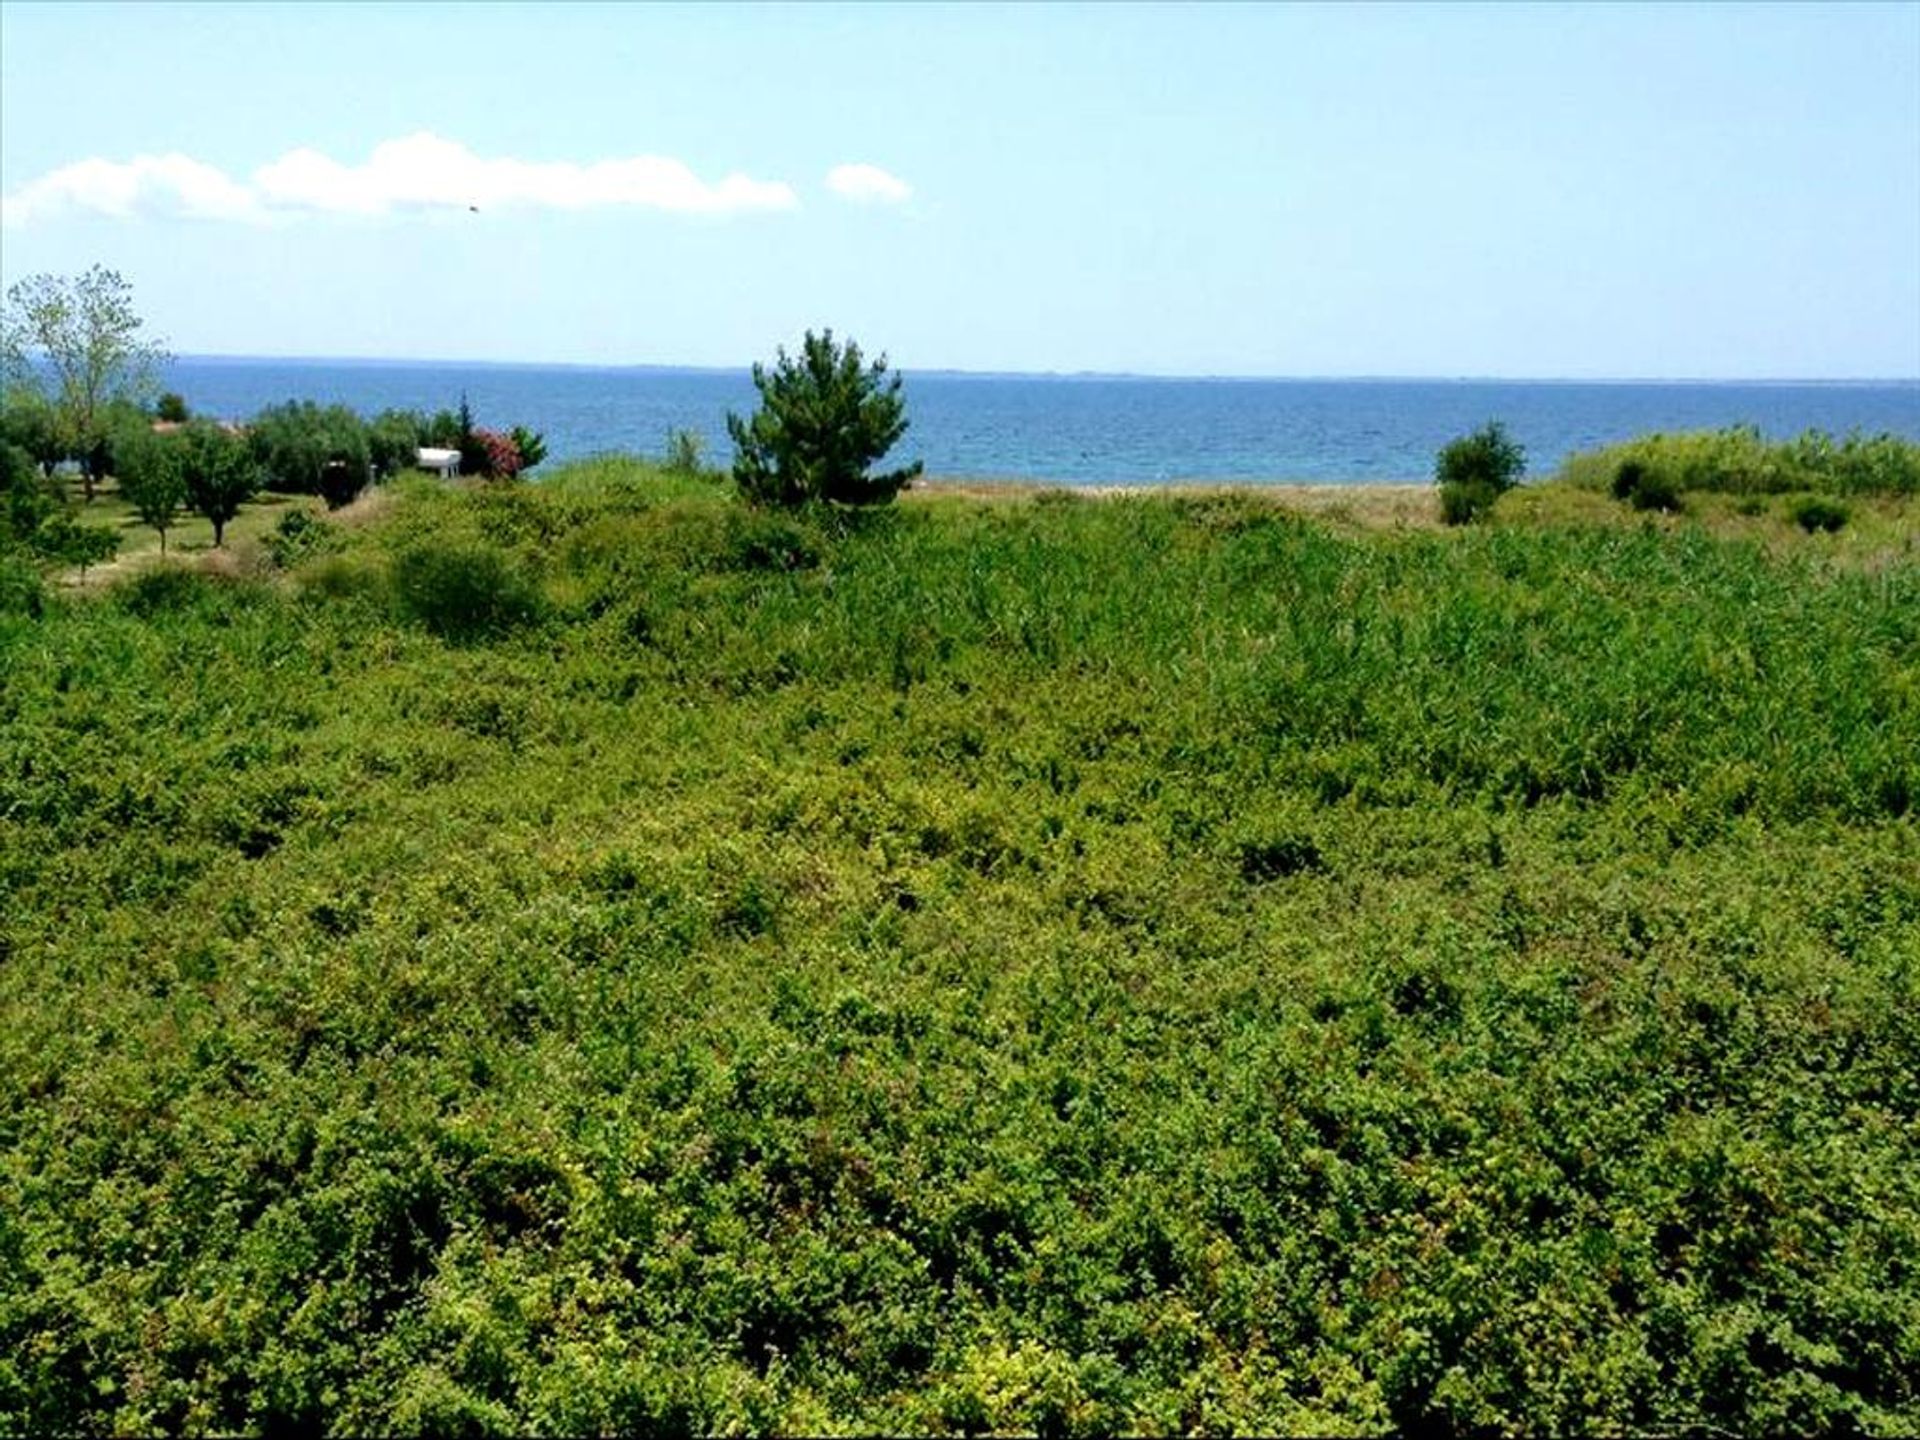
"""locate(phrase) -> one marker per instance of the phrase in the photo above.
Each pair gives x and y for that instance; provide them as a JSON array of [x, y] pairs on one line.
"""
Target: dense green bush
[[172, 408], [1475, 471], [824, 420], [298, 536], [1739, 460], [1817, 512], [161, 589], [394, 438], [31, 422], [307, 449], [22, 591], [1318, 981], [1645, 489], [463, 592]]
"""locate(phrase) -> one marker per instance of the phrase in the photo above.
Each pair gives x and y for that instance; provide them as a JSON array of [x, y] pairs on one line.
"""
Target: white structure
[[444, 463]]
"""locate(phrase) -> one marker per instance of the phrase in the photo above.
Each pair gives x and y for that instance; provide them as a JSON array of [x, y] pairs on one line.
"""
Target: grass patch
[[1162, 962]]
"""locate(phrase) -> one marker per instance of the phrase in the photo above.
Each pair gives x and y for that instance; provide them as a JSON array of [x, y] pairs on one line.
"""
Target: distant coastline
[[1068, 376]]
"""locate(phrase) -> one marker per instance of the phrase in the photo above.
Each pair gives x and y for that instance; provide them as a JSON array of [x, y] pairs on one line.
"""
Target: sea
[[1078, 429]]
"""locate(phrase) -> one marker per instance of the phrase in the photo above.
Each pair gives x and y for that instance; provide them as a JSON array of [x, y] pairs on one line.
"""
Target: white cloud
[[176, 184], [868, 185], [418, 172]]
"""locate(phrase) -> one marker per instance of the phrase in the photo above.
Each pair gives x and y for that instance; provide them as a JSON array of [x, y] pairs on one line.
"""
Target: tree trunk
[[219, 531]]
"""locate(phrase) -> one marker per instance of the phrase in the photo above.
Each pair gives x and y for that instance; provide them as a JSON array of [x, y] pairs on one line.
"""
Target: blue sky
[[1508, 190]]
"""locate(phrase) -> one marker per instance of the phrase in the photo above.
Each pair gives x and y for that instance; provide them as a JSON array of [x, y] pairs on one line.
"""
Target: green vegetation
[[930, 968], [685, 452], [824, 420], [1740, 461], [1475, 471], [84, 332], [1813, 512], [150, 469]]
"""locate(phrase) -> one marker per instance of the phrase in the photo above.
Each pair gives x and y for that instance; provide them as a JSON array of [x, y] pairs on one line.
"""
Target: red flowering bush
[[500, 457]]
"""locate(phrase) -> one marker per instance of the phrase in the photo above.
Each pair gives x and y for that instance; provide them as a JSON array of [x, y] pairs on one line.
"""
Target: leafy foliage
[[1475, 471], [171, 407], [1739, 460], [1315, 982], [83, 329], [685, 451], [218, 471], [464, 592], [1816, 512], [151, 470], [307, 449], [28, 420], [394, 438], [824, 420], [530, 445]]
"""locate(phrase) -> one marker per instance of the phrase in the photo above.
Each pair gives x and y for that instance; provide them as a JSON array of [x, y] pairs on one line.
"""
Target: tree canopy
[[83, 336]]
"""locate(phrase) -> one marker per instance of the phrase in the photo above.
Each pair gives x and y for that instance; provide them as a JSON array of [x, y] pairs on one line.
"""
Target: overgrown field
[[588, 956]]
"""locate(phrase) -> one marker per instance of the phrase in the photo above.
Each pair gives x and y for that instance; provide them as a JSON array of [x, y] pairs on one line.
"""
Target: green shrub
[[394, 441], [309, 450], [172, 408], [1476, 470], [346, 578], [824, 419], [757, 540], [299, 536], [684, 452], [22, 591], [1817, 512], [463, 592], [1645, 489], [1462, 502], [160, 589], [1738, 460]]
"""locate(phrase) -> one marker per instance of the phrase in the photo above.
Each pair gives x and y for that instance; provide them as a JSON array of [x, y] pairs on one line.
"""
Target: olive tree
[[309, 450], [824, 419], [29, 420], [82, 334], [152, 477], [219, 473]]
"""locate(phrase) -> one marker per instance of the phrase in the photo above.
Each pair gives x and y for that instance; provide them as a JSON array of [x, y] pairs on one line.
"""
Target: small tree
[[66, 540], [84, 331], [473, 450], [1476, 470], [152, 478], [824, 418], [30, 501], [219, 475], [531, 444], [30, 421], [172, 408]]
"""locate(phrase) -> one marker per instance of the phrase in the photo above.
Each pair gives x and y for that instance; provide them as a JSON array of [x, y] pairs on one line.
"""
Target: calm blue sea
[[1079, 430]]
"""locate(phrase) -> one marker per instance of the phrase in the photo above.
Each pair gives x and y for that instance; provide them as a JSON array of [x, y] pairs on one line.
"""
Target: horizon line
[[1062, 375]]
